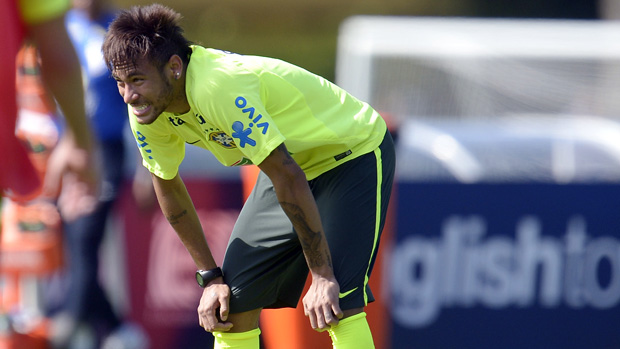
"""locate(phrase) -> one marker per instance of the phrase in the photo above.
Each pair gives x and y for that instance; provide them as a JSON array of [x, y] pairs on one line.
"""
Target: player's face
[[145, 88]]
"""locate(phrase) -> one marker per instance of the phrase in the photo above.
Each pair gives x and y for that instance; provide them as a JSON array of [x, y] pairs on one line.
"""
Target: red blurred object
[[30, 240]]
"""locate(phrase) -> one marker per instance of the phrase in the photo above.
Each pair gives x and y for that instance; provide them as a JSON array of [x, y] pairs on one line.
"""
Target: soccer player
[[320, 201]]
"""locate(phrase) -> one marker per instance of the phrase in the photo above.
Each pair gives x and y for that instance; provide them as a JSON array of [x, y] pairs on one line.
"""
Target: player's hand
[[73, 169], [213, 308], [75, 200], [321, 303]]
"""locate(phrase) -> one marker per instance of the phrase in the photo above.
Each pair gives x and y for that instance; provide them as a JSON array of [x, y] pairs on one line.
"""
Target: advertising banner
[[506, 266]]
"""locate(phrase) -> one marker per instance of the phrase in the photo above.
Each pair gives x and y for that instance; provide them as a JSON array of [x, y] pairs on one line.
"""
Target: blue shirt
[[104, 105]]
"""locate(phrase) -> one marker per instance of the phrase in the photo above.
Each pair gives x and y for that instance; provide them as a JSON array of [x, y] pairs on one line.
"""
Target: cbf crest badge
[[222, 139]]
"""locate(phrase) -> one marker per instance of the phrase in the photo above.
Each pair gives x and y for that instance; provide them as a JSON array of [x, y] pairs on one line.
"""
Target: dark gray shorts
[[264, 263]]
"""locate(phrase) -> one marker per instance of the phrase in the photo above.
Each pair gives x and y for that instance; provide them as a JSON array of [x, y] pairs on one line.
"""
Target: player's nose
[[129, 95]]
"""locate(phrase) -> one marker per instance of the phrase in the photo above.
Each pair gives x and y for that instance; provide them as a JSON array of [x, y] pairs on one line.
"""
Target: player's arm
[[321, 303], [177, 207], [61, 72], [60, 69]]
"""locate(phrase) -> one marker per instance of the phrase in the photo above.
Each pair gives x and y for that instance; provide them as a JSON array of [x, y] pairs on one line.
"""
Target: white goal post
[[491, 99], [472, 68]]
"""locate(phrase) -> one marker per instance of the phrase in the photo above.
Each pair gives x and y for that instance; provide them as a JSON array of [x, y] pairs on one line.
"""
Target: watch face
[[199, 279], [203, 277]]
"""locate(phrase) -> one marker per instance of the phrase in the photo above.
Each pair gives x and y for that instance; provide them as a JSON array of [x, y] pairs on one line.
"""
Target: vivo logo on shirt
[[243, 133]]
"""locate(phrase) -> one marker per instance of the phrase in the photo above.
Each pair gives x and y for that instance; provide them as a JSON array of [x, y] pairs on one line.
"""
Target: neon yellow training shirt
[[243, 107]]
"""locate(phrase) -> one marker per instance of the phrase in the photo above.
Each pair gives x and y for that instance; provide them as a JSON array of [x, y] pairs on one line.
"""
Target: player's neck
[[179, 104]]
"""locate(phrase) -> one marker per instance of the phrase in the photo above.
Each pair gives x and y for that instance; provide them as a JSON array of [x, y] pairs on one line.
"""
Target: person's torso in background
[[104, 105]]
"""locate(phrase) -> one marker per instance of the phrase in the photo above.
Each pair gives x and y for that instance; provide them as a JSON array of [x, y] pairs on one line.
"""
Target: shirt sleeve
[[37, 11], [162, 151]]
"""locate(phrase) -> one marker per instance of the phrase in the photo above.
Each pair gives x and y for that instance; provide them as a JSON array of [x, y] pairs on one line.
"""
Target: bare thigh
[[243, 322]]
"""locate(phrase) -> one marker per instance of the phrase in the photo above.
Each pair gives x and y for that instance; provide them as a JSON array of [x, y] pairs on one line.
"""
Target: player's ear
[[175, 66]]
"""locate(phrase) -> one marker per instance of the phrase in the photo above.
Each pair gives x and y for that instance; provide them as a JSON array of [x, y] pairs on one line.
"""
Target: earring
[[177, 76]]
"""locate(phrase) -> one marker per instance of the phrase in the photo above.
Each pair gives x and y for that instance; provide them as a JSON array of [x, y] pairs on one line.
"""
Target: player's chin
[[146, 119]]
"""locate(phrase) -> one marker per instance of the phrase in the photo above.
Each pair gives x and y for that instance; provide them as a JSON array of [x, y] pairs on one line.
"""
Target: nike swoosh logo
[[342, 295]]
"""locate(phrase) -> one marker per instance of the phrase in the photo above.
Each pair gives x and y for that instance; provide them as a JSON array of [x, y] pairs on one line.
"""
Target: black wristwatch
[[205, 276]]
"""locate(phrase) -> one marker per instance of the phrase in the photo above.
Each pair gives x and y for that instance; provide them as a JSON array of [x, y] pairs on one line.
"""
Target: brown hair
[[150, 32]]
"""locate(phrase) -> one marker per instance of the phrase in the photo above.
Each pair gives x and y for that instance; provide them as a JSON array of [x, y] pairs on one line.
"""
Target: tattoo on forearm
[[311, 241], [287, 157], [174, 218]]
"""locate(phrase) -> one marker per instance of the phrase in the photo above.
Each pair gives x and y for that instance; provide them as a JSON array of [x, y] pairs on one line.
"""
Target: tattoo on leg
[[311, 241], [174, 219]]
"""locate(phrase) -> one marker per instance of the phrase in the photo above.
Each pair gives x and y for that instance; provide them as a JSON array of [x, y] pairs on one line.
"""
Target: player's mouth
[[140, 110]]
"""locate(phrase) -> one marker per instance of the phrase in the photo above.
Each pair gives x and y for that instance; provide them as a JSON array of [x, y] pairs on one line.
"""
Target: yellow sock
[[242, 340], [352, 333]]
